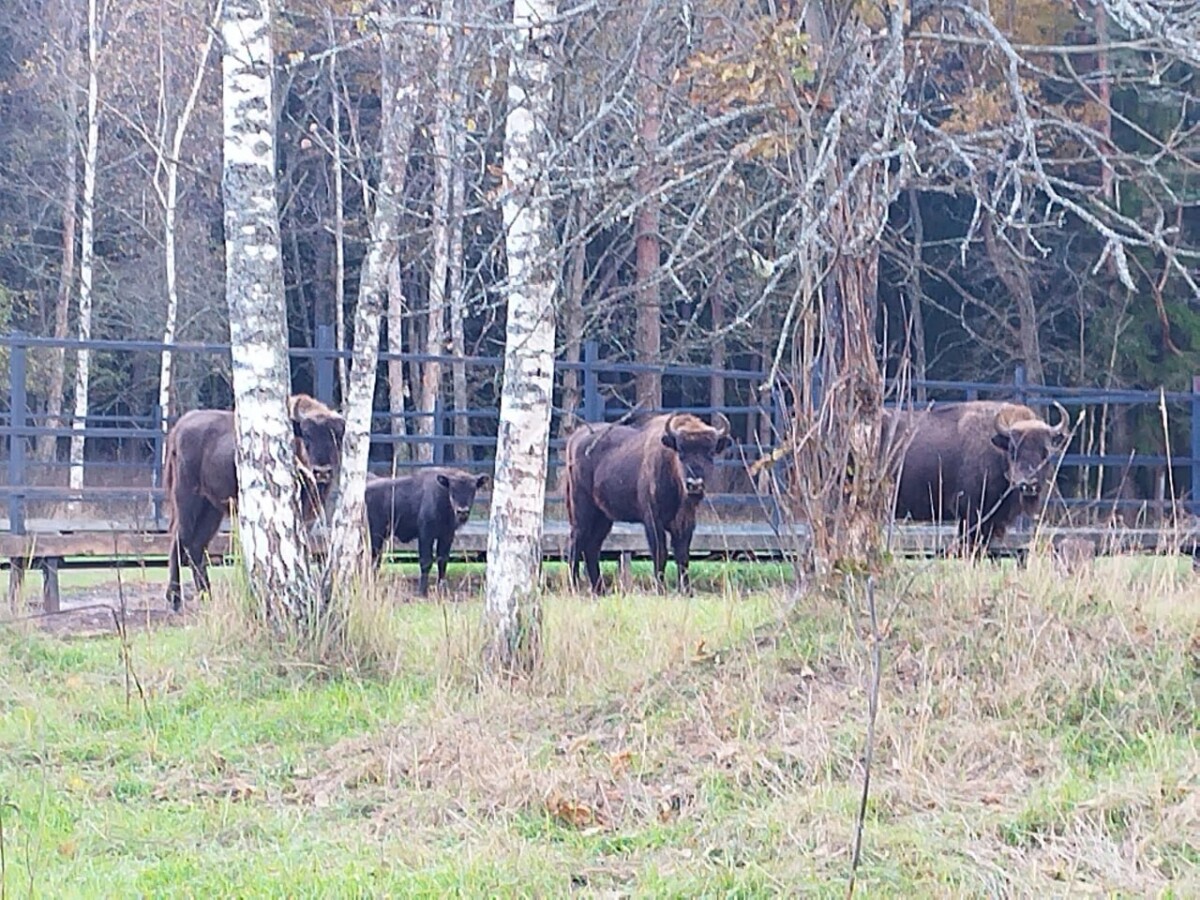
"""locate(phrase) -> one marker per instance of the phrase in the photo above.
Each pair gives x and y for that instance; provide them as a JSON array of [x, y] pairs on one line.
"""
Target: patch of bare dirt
[[95, 611]]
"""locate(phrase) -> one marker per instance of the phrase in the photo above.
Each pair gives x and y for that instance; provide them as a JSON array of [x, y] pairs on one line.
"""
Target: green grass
[[1036, 736]]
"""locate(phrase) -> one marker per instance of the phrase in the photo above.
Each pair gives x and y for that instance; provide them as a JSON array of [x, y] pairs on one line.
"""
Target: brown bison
[[652, 473], [980, 462], [200, 477], [429, 506]]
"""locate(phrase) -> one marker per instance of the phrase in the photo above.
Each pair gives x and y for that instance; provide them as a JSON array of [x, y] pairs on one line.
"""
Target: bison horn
[[1064, 418], [721, 423], [669, 428]]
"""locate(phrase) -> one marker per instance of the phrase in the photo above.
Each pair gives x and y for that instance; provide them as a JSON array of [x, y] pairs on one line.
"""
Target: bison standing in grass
[[429, 506], [981, 463], [200, 477], [652, 473]]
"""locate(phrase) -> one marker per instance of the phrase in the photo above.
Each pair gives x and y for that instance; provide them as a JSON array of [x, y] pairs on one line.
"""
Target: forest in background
[[1039, 206]]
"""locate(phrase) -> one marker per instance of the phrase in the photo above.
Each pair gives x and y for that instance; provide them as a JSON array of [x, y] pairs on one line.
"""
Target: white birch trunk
[[87, 250], [347, 547], [339, 213], [457, 285], [170, 200], [512, 607], [435, 330], [273, 549], [397, 387]]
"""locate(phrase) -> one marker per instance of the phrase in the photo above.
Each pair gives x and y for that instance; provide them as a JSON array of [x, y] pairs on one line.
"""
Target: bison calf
[[429, 506]]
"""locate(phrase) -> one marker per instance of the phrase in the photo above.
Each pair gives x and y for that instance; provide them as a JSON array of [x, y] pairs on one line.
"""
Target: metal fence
[[123, 466]]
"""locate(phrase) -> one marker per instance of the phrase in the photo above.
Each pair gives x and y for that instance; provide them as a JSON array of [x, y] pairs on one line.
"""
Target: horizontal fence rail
[[123, 465]]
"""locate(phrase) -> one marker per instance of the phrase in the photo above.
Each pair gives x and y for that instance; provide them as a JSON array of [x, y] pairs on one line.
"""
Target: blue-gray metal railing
[[600, 399]]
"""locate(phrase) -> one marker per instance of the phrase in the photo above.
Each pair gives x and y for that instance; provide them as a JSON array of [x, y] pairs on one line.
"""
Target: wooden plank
[[16, 580], [50, 596], [721, 539]]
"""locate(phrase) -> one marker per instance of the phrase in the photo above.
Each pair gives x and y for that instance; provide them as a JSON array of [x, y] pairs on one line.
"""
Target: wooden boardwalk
[[51, 545]]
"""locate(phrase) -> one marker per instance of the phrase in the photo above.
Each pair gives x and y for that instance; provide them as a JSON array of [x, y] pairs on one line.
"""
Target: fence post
[[1194, 506], [323, 376], [1019, 383], [17, 421], [593, 409]]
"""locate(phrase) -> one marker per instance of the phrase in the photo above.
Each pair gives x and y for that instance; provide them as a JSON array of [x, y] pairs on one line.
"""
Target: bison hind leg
[[207, 523]]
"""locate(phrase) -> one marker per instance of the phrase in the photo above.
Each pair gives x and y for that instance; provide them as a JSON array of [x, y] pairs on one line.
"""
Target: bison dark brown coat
[[429, 506], [981, 463], [652, 473], [200, 477]]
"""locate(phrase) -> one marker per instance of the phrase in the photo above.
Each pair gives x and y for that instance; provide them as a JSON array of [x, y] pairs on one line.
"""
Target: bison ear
[[339, 429], [443, 480], [297, 428], [668, 440], [481, 482], [1059, 440], [1002, 441], [724, 443]]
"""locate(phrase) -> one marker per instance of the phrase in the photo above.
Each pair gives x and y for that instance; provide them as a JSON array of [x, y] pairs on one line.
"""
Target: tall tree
[[398, 73], [512, 608], [273, 547], [87, 251], [443, 163], [646, 225]]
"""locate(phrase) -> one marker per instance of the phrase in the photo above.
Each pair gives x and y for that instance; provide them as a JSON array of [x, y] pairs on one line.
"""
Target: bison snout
[[1028, 488], [322, 474], [694, 486], [462, 515]]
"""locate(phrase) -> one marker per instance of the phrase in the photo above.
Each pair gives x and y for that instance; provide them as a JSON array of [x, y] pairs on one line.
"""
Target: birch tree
[[397, 82], [273, 549], [512, 608], [166, 186], [87, 250]]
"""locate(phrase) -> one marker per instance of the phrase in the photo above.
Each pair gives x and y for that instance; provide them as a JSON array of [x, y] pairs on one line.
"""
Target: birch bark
[[347, 547], [274, 553], [87, 250], [512, 607]]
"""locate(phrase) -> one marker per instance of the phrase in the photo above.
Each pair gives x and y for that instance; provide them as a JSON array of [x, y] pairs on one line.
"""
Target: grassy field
[[1036, 736]]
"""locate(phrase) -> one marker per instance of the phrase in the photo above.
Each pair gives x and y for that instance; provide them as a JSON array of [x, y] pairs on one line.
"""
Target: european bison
[[429, 506], [979, 462], [652, 473], [200, 477]]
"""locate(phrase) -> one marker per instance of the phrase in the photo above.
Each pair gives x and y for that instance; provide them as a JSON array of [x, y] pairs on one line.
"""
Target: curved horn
[[724, 427], [670, 421], [1064, 418], [1003, 426]]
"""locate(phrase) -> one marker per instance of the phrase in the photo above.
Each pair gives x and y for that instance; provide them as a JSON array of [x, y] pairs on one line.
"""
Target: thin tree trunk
[[47, 445], [397, 388], [716, 383], [457, 287], [572, 314], [646, 182], [435, 329], [512, 607], [339, 211], [347, 547], [87, 249], [1011, 269], [273, 548], [170, 200], [916, 294]]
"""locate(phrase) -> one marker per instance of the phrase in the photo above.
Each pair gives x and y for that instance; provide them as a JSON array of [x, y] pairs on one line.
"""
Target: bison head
[[1029, 446], [318, 431], [697, 445], [461, 488]]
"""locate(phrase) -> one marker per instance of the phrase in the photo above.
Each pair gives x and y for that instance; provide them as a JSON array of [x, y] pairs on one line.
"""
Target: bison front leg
[[657, 539], [425, 561], [681, 547], [443, 556]]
